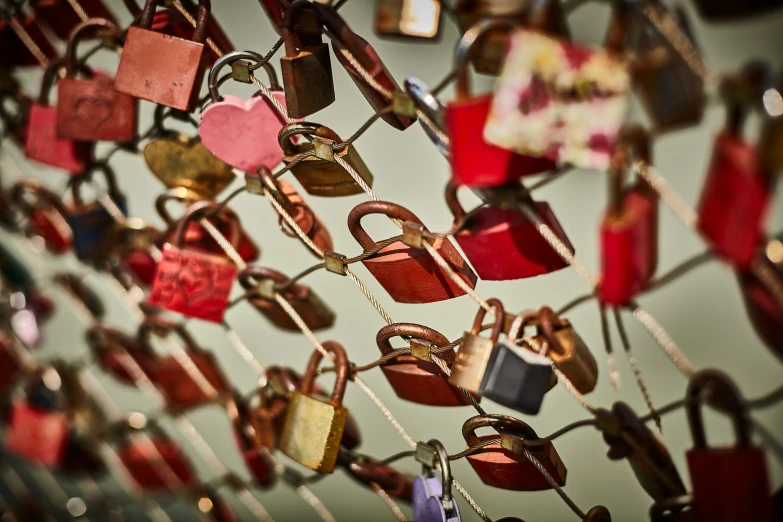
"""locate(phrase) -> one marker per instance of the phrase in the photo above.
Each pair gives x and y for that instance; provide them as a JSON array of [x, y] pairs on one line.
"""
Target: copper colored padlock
[[568, 351], [163, 69], [368, 472], [409, 273], [302, 298], [416, 377], [13, 51], [45, 212], [764, 311], [504, 465], [90, 109], [474, 162], [211, 507], [505, 228], [61, 17], [257, 458]]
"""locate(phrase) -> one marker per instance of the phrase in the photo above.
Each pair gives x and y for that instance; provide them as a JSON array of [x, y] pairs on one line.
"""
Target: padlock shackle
[[251, 276], [342, 370], [214, 82], [387, 208], [273, 186], [76, 36], [202, 18], [445, 472], [162, 327], [303, 128], [724, 396], [202, 210], [290, 18], [413, 331], [181, 194], [42, 194], [547, 321], [520, 321], [469, 39], [75, 182], [500, 317], [505, 423], [598, 514], [51, 73]]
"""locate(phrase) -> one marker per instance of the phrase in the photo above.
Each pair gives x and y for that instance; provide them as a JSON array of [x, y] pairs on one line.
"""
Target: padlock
[[598, 514], [562, 101], [163, 69], [15, 114], [42, 143], [678, 509], [37, 434], [727, 10], [62, 18], [137, 250], [629, 231], [368, 472], [191, 282], [671, 92], [629, 438], [257, 458], [474, 350], [243, 133], [313, 311], [178, 160], [431, 110], [90, 109], [118, 354], [45, 212], [320, 174], [729, 483], [736, 192], [432, 499], [474, 162], [93, 225], [764, 311], [307, 70], [515, 377], [14, 52], [505, 465], [416, 377], [313, 429], [568, 351], [409, 273], [419, 19], [177, 383], [506, 228]]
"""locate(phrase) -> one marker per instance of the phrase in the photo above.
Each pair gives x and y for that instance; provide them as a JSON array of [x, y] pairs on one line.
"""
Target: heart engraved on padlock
[[46, 214]]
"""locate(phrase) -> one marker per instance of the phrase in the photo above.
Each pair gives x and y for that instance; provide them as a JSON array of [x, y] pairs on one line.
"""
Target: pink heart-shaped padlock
[[243, 133]]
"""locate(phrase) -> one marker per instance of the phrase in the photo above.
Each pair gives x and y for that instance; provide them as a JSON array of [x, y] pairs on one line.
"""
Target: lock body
[[575, 360], [427, 501], [516, 378], [53, 228], [422, 382], [156, 465], [307, 77], [180, 389], [321, 177], [38, 435], [170, 21], [471, 362], [91, 110], [44, 146], [94, 228]]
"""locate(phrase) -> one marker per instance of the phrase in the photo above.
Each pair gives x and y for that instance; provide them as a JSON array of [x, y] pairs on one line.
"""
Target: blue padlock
[[93, 226], [432, 500]]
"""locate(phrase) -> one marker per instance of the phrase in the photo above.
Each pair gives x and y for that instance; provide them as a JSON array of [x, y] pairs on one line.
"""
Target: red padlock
[[505, 228], [190, 282], [90, 109], [764, 311], [138, 251], [45, 212], [302, 298], [163, 69], [409, 273], [257, 457], [36, 434], [504, 465], [42, 143], [729, 483], [369, 472], [629, 232], [416, 377], [474, 162], [13, 50], [61, 17], [15, 107]]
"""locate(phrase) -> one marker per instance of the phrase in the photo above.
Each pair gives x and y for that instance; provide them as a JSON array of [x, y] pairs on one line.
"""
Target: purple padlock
[[432, 500]]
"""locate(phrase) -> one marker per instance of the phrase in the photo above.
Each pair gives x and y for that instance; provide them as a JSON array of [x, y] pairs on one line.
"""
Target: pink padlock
[[243, 133]]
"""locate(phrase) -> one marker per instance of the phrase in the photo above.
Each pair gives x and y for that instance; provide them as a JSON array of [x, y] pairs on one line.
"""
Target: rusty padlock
[[257, 458], [474, 162], [416, 377], [504, 227], [367, 471], [14, 52], [568, 351], [302, 298], [409, 273], [62, 18], [163, 69], [42, 143], [629, 231], [320, 174], [45, 212], [418, 19], [90, 109], [764, 312], [504, 465]]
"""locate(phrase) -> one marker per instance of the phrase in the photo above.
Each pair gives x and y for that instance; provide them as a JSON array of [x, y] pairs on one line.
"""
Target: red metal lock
[[45, 213], [90, 109], [62, 18], [118, 354], [164, 70], [503, 465], [174, 381], [367, 471], [13, 51], [42, 143], [37, 434], [408, 273], [193, 283], [416, 377], [729, 483], [505, 228], [302, 298], [138, 251], [257, 457], [763, 310], [474, 162], [629, 231]]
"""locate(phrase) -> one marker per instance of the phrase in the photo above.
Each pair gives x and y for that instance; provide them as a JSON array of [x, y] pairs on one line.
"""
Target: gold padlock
[[313, 429], [320, 174], [567, 350], [474, 350]]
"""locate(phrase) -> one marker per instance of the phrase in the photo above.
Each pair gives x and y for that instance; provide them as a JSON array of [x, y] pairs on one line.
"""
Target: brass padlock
[[320, 174], [475, 350], [568, 351], [313, 429]]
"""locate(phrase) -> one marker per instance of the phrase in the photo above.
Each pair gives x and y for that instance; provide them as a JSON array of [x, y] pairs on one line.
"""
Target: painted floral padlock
[[243, 133], [193, 283], [561, 101]]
